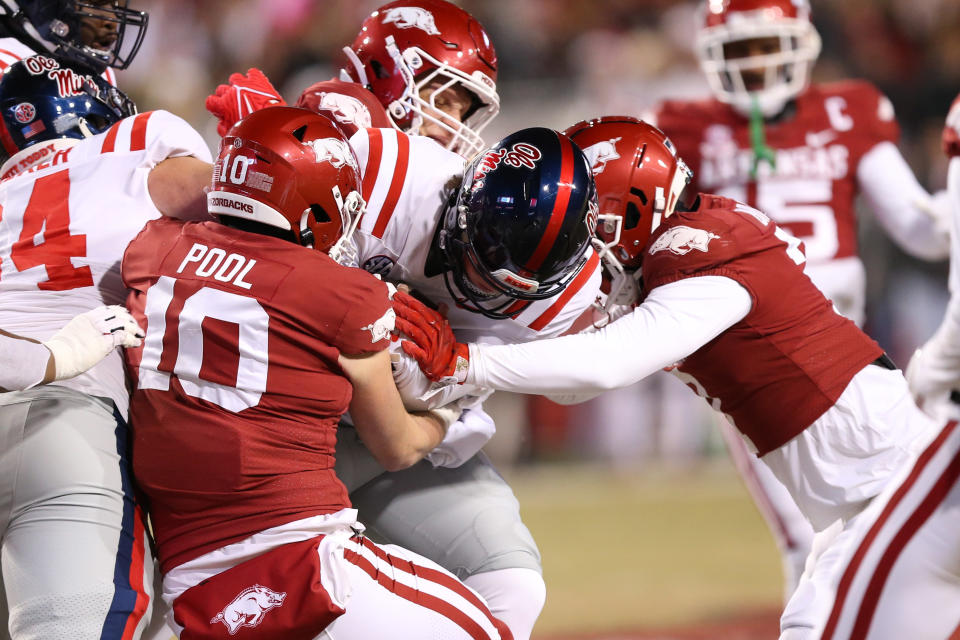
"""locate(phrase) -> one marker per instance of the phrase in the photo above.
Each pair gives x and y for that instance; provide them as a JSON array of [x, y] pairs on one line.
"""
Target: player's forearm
[[396, 438], [674, 321], [915, 220], [24, 363]]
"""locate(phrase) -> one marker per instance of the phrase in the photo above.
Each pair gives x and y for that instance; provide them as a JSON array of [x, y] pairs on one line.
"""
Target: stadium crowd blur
[[565, 60]]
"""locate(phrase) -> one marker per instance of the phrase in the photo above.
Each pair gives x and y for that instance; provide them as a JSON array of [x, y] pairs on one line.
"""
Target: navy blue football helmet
[[89, 34], [40, 100], [519, 226]]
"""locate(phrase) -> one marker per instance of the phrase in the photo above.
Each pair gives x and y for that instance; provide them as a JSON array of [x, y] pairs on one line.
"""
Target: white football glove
[[89, 337], [464, 438]]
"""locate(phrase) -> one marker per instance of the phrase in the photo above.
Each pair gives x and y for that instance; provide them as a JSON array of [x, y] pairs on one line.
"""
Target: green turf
[[651, 549]]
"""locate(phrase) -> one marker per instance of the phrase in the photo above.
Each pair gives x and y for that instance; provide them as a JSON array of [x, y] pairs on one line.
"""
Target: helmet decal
[[599, 154], [336, 152], [410, 18], [24, 112], [521, 154]]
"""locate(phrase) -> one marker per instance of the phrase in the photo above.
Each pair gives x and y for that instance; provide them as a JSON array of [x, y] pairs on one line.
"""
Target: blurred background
[[642, 473]]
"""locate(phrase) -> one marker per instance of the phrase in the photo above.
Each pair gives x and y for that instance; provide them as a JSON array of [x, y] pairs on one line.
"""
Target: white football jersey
[[69, 209], [407, 181]]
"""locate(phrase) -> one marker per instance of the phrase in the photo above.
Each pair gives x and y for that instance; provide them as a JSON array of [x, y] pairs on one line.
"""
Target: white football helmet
[[785, 69]]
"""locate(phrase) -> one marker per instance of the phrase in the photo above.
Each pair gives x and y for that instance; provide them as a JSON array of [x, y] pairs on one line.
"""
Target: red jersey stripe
[[426, 600], [578, 283], [843, 587], [373, 162], [138, 135], [921, 514], [439, 577], [559, 206], [110, 140], [396, 185], [136, 578]]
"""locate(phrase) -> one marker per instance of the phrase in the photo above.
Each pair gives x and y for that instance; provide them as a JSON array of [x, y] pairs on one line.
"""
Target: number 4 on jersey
[[47, 218]]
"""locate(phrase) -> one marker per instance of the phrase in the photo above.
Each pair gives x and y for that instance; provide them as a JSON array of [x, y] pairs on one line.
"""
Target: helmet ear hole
[[319, 214], [632, 216], [299, 133]]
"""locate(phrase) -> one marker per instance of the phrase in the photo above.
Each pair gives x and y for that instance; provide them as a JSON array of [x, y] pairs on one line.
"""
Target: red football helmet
[[290, 168], [790, 45], [639, 180], [407, 45]]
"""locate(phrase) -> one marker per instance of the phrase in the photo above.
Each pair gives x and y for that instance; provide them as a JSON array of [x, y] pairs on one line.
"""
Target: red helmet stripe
[[396, 185], [374, 156], [578, 283], [560, 203]]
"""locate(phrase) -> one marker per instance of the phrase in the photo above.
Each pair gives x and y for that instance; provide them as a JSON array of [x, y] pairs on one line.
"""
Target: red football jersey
[[237, 387], [781, 367], [818, 147]]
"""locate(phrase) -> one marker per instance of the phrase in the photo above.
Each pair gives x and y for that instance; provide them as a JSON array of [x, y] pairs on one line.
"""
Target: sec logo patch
[[24, 112], [379, 265]]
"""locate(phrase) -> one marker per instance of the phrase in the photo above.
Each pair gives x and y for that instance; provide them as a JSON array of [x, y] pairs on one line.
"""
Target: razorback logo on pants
[[280, 596]]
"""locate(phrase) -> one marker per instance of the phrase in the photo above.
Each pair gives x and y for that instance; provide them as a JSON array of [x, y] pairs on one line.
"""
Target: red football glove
[[951, 132], [431, 341], [244, 95]]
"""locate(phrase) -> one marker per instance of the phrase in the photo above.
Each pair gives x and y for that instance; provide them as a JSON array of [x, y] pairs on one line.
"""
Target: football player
[[426, 67], [240, 384], [83, 177], [801, 153], [92, 36], [509, 268], [724, 300], [905, 553]]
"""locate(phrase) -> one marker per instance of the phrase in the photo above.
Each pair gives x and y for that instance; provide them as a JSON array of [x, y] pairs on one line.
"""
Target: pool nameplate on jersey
[[217, 263]]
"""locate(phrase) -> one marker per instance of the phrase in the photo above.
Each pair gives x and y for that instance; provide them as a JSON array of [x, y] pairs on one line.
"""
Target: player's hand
[[951, 132], [932, 373], [89, 337], [431, 341], [242, 96]]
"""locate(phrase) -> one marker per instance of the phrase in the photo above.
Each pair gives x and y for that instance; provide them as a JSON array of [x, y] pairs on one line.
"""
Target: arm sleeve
[[23, 363], [913, 218], [169, 136], [674, 321]]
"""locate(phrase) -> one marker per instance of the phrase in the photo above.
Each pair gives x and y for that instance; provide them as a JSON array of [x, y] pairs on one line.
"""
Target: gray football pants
[[467, 519], [75, 559]]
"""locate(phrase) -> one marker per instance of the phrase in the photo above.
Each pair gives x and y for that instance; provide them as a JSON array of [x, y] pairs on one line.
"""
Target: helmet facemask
[[410, 111], [786, 72]]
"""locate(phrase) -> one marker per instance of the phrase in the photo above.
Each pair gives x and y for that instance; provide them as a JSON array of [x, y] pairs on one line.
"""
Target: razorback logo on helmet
[[248, 608], [412, 18], [346, 109], [951, 132], [336, 152], [682, 240], [520, 154], [383, 327], [24, 112], [599, 154]]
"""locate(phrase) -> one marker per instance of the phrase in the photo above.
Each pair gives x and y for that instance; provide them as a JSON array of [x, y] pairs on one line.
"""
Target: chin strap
[[758, 141]]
